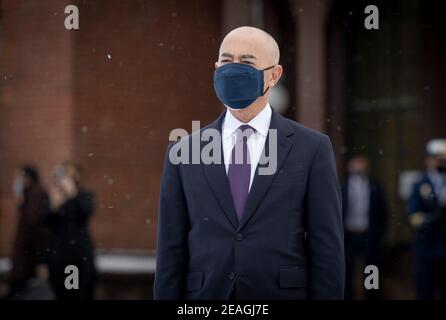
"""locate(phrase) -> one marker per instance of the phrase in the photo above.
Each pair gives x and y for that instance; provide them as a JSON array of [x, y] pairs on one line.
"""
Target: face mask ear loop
[[268, 86], [269, 67]]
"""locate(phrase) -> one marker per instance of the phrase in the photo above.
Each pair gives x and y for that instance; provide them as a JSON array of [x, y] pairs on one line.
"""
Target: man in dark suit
[[241, 227], [365, 215]]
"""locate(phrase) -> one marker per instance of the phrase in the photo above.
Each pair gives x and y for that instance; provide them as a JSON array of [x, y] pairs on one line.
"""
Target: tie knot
[[245, 130]]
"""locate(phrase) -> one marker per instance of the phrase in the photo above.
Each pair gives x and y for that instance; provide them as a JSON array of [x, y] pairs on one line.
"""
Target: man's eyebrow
[[247, 56], [243, 56], [227, 55]]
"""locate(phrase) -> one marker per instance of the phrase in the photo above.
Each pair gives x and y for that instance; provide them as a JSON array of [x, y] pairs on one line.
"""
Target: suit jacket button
[[231, 276], [239, 237]]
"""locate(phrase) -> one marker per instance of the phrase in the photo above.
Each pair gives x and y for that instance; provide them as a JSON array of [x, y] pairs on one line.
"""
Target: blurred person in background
[[27, 253], [365, 215], [69, 242], [427, 216]]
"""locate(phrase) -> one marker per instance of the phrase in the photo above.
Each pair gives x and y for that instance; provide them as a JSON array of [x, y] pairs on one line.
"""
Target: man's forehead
[[251, 41], [243, 48]]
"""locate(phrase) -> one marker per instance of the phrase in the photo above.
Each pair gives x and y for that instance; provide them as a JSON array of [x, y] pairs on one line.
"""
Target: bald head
[[250, 45], [257, 49]]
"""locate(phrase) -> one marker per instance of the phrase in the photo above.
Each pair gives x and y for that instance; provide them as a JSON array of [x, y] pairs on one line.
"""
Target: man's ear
[[277, 73]]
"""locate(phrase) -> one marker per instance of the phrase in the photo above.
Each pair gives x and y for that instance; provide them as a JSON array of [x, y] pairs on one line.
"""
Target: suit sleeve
[[173, 227], [415, 210], [85, 204], [414, 203], [325, 238]]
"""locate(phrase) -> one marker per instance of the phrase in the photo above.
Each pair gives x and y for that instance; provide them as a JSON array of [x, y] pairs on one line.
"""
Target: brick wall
[[35, 96], [106, 96]]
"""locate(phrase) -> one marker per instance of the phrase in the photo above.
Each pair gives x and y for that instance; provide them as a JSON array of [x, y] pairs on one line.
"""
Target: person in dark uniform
[[427, 216], [32, 204], [364, 215], [69, 242]]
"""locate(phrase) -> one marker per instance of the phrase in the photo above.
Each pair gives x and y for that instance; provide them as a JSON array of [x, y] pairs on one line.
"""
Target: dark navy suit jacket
[[288, 244], [430, 238]]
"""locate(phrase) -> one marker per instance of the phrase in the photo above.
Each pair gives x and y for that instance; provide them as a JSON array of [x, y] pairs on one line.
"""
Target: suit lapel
[[218, 180], [262, 183]]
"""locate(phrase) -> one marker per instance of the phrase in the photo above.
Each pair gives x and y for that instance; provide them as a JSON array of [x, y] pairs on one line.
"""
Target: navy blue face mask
[[237, 85]]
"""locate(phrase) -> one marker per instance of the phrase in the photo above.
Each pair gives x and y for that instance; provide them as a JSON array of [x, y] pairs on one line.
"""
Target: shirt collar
[[260, 122]]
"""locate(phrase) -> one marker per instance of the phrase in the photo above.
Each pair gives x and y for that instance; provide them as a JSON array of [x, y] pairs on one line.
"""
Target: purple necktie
[[239, 172]]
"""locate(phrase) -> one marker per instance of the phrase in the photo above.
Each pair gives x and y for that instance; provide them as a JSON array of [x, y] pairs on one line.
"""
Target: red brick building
[[105, 96]]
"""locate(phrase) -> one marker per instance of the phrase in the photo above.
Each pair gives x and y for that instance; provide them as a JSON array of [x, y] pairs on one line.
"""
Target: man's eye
[[247, 62], [225, 60]]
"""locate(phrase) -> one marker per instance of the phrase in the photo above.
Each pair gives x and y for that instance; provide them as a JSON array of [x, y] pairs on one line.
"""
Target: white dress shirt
[[358, 203], [255, 142]]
